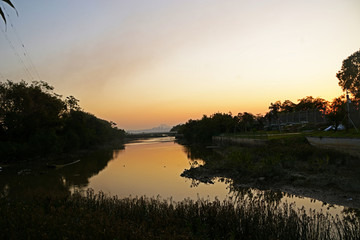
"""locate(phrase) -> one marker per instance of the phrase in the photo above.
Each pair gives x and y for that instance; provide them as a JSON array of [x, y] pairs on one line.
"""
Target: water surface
[[150, 167]]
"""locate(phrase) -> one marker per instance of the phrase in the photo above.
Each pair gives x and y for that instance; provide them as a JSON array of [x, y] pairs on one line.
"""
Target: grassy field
[[97, 216], [352, 133]]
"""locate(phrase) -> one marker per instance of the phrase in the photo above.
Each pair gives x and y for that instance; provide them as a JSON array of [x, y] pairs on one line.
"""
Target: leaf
[[12, 5], [8, 2], [2, 15]]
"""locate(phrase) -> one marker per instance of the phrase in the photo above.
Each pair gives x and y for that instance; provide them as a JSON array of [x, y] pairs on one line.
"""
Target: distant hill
[[160, 128]]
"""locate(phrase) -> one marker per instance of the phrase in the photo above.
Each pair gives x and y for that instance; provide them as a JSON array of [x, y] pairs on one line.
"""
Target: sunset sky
[[143, 63]]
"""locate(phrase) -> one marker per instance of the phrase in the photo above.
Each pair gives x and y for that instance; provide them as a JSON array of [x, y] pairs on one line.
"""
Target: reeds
[[97, 216]]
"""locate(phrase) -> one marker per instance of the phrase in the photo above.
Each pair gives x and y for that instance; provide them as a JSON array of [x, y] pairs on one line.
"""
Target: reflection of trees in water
[[79, 174], [239, 193], [31, 184], [41, 180], [352, 212], [197, 152], [198, 155], [213, 167], [194, 183]]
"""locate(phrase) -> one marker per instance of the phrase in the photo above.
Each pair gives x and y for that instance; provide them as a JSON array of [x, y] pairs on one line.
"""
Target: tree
[[72, 104], [336, 112], [349, 75], [2, 12], [246, 121], [287, 106], [27, 108], [201, 131], [275, 107], [35, 121], [310, 103]]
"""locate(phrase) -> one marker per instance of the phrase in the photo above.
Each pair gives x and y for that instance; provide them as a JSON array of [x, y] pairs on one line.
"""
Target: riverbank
[[291, 165]]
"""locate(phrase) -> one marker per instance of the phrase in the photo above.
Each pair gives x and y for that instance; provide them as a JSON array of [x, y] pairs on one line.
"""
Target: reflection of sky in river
[[152, 167]]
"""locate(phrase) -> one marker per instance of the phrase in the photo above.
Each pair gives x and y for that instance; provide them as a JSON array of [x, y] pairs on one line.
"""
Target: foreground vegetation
[[36, 122], [96, 216]]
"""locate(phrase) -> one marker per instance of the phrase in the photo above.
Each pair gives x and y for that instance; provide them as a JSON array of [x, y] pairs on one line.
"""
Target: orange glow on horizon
[[164, 62]]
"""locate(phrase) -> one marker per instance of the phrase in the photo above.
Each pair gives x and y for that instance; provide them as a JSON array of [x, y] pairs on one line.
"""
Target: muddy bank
[[328, 189], [291, 166]]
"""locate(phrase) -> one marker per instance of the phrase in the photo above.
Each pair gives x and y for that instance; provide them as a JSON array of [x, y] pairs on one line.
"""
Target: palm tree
[[2, 12]]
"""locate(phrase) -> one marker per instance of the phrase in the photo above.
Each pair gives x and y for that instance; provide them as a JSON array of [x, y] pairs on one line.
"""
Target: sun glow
[[145, 64]]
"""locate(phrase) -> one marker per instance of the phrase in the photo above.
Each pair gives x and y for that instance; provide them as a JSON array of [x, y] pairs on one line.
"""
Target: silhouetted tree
[[336, 112], [35, 121], [275, 108], [176, 128], [72, 104], [349, 75], [287, 106], [201, 131], [260, 121], [310, 103], [246, 121], [25, 109]]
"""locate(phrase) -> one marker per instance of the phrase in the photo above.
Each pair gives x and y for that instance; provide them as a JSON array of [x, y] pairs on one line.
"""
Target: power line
[[16, 53], [26, 53], [21, 52]]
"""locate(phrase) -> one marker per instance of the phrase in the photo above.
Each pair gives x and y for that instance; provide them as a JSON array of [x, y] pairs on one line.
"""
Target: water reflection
[[238, 191], [240, 194], [150, 167], [22, 180]]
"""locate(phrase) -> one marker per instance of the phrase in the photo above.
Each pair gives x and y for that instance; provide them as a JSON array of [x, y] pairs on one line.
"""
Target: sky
[[144, 63]]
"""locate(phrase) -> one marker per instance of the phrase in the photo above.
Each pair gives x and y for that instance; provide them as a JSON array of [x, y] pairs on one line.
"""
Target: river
[[150, 167]]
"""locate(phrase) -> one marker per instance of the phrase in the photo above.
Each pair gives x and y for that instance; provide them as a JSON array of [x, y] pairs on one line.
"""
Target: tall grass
[[97, 216]]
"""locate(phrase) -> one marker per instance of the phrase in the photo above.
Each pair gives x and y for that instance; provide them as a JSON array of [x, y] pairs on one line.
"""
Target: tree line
[[202, 130], [36, 122]]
